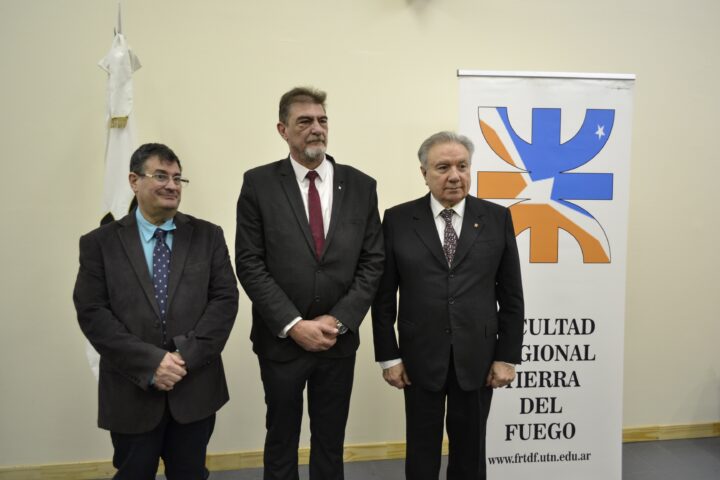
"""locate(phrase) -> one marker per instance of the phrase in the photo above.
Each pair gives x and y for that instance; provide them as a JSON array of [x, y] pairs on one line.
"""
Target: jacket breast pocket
[[353, 222], [196, 267], [487, 248], [350, 232]]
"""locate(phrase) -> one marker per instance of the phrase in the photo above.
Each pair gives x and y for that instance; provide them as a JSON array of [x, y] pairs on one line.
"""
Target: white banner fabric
[[555, 148]]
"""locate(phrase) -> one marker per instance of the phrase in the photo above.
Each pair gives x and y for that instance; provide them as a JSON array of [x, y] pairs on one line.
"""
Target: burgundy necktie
[[315, 213]]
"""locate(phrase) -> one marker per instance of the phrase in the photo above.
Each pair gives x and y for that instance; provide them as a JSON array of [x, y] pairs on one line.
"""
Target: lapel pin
[[339, 187], [476, 225]]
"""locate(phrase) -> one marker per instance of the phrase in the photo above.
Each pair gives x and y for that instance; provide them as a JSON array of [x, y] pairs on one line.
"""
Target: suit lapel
[[338, 194], [130, 240], [292, 192], [471, 228], [425, 228], [182, 237]]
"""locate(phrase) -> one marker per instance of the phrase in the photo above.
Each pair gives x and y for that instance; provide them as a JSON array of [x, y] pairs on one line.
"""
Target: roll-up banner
[[555, 148]]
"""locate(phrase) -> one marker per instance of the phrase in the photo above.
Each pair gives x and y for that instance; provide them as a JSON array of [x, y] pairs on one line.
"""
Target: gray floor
[[670, 460], [697, 459]]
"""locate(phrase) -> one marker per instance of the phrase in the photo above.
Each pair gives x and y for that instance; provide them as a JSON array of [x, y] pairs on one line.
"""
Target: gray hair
[[299, 95], [443, 137]]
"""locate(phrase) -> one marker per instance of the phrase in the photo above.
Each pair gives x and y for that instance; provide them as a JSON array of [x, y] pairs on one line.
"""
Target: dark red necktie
[[315, 213]]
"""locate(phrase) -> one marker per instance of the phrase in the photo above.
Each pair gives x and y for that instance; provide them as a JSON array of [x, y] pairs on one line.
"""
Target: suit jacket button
[[451, 300], [317, 299], [447, 330]]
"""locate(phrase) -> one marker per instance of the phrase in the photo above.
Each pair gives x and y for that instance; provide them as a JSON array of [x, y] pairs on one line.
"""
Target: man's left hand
[[501, 375]]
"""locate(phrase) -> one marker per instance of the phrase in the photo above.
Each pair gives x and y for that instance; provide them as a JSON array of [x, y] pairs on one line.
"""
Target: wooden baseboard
[[353, 453], [670, 432], [59, 471]]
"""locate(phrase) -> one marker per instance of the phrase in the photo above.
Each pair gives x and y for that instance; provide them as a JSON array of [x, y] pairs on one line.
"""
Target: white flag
[[120, 64]]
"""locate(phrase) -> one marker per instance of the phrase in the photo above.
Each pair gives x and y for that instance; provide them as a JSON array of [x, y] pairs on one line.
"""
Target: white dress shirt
[[324, 184]]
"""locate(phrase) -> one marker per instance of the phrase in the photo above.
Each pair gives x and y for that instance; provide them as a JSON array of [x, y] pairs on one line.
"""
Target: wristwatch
[[341, 328]]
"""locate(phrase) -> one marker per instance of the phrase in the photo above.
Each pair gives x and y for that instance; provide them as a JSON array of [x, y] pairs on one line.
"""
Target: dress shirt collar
[[301, 171], [147, 229], [437, 208]]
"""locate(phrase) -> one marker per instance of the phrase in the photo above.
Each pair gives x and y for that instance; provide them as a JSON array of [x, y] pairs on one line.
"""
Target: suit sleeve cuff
[[390, 363], [284, 332]]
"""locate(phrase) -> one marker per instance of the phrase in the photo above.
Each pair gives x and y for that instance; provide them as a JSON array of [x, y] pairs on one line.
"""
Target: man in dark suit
[[454, 260], [156, 296], [309, 255]]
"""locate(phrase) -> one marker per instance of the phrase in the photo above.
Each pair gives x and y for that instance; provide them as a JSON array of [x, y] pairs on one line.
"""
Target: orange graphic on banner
[[544, 223], [500, 184], [493, 140]]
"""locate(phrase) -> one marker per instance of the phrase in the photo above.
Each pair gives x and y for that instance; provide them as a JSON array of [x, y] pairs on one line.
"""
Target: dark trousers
[[181, 446], [329, 383], [466, 419]]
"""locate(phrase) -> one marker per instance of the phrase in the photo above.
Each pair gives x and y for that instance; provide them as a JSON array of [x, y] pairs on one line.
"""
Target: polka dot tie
[[161, 273], [450, 238]]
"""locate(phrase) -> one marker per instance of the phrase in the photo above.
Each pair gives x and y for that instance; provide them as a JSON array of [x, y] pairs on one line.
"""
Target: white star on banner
[[600, 131]]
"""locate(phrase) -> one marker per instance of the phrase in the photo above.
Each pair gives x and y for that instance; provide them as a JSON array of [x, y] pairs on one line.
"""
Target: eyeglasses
[[164, 178]]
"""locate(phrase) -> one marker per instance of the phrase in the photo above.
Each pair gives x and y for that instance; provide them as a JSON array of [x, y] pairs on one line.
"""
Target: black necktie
[[161, 274], [450, 238]]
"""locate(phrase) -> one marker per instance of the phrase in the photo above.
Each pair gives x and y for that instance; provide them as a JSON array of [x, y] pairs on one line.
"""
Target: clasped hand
[[316, 335], [171, 371]]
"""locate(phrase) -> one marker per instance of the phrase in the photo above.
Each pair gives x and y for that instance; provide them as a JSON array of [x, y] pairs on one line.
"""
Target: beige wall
[[212, 75]]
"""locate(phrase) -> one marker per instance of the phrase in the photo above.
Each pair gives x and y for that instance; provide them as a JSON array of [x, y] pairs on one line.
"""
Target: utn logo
[[544, 182]]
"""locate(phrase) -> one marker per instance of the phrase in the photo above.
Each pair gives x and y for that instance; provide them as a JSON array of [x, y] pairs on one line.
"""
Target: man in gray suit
[[309, 255], [157, 298], [454, 260]]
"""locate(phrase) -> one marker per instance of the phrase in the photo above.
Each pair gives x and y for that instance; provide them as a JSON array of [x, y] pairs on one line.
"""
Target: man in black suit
[[309, 255], [454, 260], [157, 297]]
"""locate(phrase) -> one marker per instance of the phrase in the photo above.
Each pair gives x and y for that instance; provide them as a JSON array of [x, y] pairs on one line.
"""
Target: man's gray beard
[[315, 153]]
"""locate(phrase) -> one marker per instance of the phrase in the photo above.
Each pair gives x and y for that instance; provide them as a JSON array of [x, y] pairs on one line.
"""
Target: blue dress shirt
[[147, 236]]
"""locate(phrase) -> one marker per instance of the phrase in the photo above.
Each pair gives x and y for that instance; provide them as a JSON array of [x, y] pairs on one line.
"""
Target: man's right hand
[[396, 376], [314, 336], [171, 371]]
